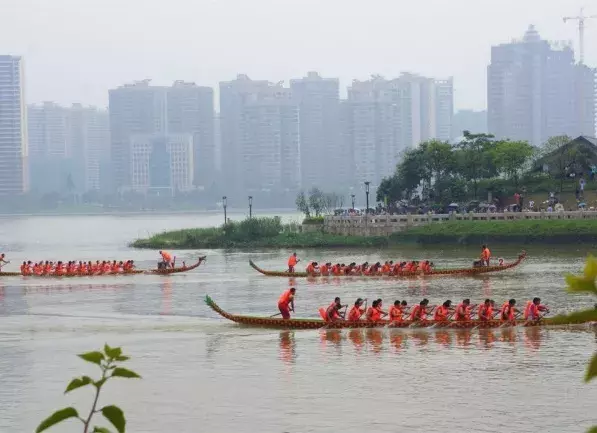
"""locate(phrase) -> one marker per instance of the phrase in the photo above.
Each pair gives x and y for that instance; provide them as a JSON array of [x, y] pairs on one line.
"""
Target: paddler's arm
[[292, 304]]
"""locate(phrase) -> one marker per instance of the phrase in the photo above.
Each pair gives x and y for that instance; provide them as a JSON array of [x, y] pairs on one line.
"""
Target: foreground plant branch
[[585, 283], [107, 361]]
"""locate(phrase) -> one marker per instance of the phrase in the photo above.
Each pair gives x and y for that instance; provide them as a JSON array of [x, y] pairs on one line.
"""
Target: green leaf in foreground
[[580, 284], [124, 372], [93, 357], [115, 416], [575, 317], [78, 382], [592, 430], [56, 417], [591, 369], [112, 352], [100, 430], [590, 270]]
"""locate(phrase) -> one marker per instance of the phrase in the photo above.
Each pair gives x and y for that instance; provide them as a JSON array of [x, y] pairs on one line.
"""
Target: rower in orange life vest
[[324, 269], [419, 312], [395, 312], [374, 312], [312, 268], [441, 312], [357, 311], [533, 309], [333, 311], [485, 311], [286, 303], [508, 311], [485, 255], [463, 311], [166, 259], [292, 261]]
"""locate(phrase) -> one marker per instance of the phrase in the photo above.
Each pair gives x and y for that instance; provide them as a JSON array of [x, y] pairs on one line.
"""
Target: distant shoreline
[[231, 212]]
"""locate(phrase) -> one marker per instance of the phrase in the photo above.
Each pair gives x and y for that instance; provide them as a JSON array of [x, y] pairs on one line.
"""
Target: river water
[[202, 373]]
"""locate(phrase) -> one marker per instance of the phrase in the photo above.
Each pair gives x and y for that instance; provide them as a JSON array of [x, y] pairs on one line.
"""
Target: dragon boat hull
[[434, 273], [165, 271], [279, 323]]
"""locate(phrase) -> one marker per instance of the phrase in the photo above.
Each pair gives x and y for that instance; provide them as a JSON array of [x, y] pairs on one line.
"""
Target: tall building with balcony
[[234, 96], [324, 163], [141, 109], [535, 90], [269, 145], [69, 147], [381, 118], [14, 177], [135, 109], [191, 111], [162, 163]]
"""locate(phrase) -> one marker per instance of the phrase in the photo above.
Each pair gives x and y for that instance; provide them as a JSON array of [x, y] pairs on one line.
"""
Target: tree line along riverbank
[[271, 233]]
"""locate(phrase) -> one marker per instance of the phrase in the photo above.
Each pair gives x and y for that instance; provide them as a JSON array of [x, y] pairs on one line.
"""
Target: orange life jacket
[[395, 314], [441, 314], [355, 313], [285, 298], [418, 313]]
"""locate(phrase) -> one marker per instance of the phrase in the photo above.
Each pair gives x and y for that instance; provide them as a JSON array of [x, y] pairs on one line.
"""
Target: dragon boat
[[313, 323], [433, 273], [157, 271]]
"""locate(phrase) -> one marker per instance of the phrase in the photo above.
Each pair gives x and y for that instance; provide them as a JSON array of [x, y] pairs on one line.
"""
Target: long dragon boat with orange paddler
[[433, 273], [579, 318], [157, 271]]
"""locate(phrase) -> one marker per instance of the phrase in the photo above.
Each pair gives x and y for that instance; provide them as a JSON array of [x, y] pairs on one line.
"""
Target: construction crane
[[581, 31]]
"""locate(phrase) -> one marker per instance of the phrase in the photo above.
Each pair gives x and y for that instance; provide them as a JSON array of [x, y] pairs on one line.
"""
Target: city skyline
[[86, 60]]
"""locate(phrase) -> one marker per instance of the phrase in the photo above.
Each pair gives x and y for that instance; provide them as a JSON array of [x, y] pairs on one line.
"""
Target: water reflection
[[487, 286], [374, 339], [166, 297], [287, 347]]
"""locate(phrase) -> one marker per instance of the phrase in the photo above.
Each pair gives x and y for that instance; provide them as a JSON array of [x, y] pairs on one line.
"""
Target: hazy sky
[[75, 50]]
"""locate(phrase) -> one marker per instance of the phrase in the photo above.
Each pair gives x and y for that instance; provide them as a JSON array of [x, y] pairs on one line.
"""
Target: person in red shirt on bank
[[286, 303]]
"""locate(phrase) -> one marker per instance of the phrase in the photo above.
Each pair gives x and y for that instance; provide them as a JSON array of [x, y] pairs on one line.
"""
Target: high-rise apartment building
[[382, 118], [136, 108], [14, 177], [142, 109], [234, 96], [69, 147], [162, 163], [191, 111], [324, 162], [269, 145], [535, 91]]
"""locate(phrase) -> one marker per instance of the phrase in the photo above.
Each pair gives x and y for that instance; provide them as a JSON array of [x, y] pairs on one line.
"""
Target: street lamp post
[[225, 203], [250, 206], [367, 196], [352, 197]]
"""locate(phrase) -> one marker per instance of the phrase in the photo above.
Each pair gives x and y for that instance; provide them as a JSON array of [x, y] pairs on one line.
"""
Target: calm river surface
[[202, 373]]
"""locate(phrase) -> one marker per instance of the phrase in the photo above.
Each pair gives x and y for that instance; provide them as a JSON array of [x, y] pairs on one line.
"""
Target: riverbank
[[216, 238], [269, 233], [519, 232]]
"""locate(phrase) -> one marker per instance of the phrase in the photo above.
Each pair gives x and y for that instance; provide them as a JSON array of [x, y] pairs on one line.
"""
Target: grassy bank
[[253, 233], [511, 232]]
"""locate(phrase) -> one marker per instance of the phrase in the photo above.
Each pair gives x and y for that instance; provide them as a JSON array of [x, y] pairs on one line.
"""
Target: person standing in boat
[[485, 255], [286, 303], [166, 259], [3, 261], [292, 261]]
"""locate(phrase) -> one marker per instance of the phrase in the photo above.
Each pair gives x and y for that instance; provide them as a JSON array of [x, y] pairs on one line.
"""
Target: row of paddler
[[422, 311]]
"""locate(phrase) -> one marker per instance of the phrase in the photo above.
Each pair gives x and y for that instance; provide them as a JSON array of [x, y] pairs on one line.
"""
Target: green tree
[[302, 204], [106, 360], [439, 162], [511, 157], [316, 201], [475, 159]]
